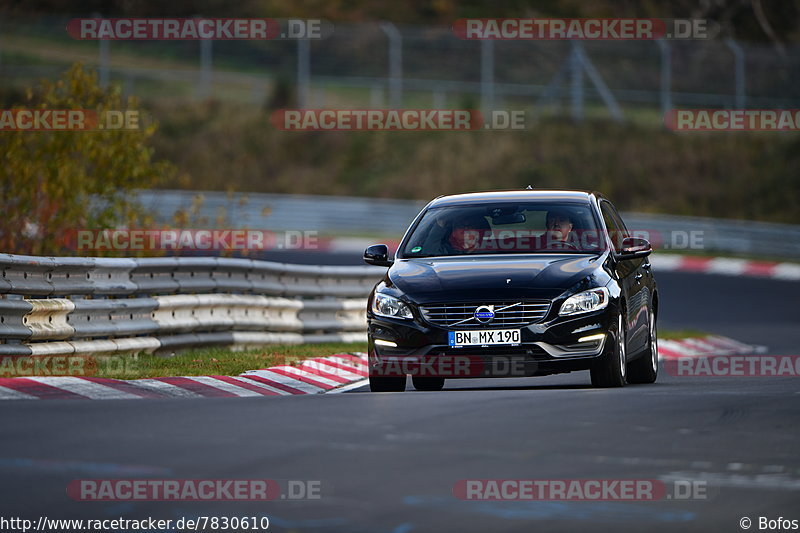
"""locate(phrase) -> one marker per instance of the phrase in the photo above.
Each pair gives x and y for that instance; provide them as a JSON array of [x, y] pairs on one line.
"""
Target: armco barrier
[[342, 215], [64, 305]]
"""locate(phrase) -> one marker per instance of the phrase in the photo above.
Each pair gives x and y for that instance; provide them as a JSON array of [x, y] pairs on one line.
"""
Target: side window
[[616, 228]]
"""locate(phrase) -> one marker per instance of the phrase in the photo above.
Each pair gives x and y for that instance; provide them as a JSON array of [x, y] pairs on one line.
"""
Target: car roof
[[517, 195]]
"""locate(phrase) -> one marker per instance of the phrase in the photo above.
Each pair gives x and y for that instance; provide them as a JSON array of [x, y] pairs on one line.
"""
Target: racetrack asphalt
[[389, 462]]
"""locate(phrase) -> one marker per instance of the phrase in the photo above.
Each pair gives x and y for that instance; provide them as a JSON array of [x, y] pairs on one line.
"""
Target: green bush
[[56, 182]]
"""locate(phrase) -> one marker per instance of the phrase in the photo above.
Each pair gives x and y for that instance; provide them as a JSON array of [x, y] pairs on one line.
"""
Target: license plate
[[484, 337]]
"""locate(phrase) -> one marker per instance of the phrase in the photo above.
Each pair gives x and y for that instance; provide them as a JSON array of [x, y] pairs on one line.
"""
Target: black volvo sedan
[[513, 283]]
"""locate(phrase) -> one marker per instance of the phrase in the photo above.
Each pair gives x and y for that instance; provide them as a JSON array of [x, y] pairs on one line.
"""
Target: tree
[[53, 183]]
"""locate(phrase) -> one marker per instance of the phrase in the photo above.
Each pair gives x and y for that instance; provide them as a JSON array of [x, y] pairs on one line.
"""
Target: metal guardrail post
[[103, 58], [739, 72], [576, 81], [487, 75], [205, 68], [395, 64], [599, 84], [376, 96], [303, 73], [666, 75]]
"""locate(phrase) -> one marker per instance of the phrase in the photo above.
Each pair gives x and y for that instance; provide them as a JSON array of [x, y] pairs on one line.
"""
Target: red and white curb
[[704, 347], [725, 266], [336, 373]]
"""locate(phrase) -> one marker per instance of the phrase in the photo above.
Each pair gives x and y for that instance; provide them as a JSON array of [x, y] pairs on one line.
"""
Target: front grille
[[506, 314]]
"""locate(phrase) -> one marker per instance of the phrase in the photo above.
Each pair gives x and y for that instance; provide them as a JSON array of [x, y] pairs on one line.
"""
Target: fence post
[[576, 75], [439, 99], [376, 96], [738, 56], [487, 75], [205, 68], [395, 64], [103, 67], [666, 76], [303, 72]]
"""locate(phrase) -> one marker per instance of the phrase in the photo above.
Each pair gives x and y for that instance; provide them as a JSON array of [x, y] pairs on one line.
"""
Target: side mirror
[[378, 255], [634, 248]]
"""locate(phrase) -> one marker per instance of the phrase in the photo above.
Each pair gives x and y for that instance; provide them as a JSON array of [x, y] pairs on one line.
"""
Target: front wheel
[[645, 369], [610, 368], [430, 384], [387, 383]]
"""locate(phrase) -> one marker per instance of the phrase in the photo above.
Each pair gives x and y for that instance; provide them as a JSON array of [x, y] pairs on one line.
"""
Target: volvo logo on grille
[[484, 314]]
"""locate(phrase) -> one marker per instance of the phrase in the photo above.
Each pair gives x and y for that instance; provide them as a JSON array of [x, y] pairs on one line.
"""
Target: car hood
[[482, 277]]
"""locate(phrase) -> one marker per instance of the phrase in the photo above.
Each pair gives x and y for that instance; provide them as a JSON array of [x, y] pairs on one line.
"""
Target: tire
[[428, 384], [387, 383], [645, 369], [610, 369]]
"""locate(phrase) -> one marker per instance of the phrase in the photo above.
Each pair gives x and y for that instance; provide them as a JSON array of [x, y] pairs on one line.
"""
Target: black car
[[513, 283]]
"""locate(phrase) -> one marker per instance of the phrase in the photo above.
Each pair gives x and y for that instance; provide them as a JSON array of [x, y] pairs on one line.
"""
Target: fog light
[[596, 337], [381, 342]]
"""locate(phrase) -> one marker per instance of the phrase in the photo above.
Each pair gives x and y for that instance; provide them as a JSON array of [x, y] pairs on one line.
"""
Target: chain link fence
[[383, 65]]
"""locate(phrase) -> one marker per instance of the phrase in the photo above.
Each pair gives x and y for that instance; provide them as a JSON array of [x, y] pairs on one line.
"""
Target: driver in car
[[559, 226]]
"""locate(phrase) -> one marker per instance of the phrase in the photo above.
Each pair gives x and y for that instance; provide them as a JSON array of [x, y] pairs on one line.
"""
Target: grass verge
[[217, 361], [672, 335], [220, 360]]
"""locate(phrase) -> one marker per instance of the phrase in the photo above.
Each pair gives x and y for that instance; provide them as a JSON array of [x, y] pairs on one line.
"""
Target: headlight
[[385, 305], [583, 302]]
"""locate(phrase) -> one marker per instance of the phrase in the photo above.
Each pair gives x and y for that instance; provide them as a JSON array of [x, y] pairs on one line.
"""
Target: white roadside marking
[[323, 366], [289, 382], [260, 385], [677, 347], [11, 394], [789, 271], [738, 346], [722, 345], [666, 262], [702, 347], [301, 373], [224, 385], [351, 386], [729, 267], [90, 389], [165, 388]]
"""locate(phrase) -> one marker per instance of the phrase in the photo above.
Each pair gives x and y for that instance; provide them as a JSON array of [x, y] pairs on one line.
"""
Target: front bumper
[[420, 349]]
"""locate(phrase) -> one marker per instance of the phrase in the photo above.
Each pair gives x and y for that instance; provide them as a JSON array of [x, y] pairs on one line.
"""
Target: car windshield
[[506, 228]]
